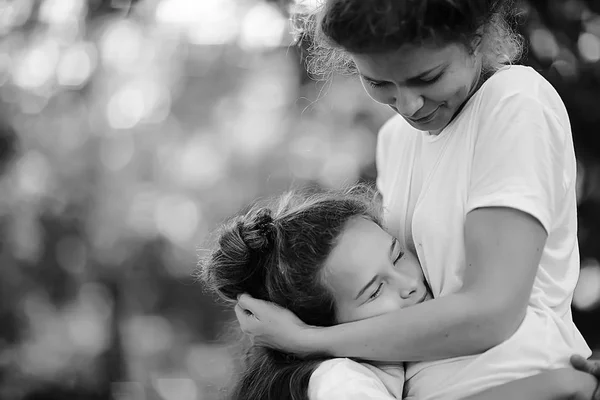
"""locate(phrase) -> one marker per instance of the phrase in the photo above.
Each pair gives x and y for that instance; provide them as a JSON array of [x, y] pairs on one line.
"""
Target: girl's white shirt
[[345, 379]]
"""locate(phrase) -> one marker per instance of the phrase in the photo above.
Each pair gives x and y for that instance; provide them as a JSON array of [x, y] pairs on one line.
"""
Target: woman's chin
[[434, 126]]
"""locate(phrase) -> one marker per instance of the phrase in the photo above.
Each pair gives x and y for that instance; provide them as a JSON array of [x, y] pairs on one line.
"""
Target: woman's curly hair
[[335, 29]]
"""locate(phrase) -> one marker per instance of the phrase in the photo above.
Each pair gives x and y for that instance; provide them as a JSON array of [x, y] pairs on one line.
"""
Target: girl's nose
[[407, 286]]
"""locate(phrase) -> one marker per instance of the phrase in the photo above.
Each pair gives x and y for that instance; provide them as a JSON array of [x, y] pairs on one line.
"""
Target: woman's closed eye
[[375, 84], [417, 81], [429, 80]]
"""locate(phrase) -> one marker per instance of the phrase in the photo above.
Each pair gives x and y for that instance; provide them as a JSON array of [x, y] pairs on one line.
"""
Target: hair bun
[[259, 231]]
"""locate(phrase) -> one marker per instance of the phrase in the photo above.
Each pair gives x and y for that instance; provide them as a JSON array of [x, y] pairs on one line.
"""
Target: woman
[[319, 256], [477, 173]]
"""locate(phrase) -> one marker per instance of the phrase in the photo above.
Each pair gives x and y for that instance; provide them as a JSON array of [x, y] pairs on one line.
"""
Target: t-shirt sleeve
[[518, 159], [344, 379]]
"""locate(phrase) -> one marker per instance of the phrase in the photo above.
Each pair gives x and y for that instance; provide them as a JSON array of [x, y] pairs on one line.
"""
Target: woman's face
[[369, 274], [427, 85]]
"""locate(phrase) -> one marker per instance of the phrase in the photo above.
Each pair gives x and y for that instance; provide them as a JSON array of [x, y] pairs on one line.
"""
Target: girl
[[325, 257], [477, 173]]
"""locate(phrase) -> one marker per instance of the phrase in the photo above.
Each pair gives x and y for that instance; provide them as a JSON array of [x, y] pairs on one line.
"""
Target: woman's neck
[[478, 81]]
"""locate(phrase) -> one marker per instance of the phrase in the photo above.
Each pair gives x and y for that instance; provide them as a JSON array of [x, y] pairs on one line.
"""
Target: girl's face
[[369, 274], [427, 85]]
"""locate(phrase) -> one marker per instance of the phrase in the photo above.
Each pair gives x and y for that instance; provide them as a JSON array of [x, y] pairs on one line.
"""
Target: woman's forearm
[[459, 324], [500, 267]]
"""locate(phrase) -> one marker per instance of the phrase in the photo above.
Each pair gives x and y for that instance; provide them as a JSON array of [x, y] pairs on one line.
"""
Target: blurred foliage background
[[129, 130]]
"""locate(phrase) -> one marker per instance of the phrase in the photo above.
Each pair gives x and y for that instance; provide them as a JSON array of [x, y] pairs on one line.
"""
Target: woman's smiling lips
[[426, 118]]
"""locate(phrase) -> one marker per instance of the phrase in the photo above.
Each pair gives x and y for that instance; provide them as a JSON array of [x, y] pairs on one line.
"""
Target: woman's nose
[[408, 101]]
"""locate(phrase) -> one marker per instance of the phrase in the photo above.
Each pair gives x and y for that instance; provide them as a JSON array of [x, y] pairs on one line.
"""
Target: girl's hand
[[272, 326], [591, 367]]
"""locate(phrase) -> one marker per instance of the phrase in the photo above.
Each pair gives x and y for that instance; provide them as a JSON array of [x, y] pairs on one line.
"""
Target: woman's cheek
[[376, 94]]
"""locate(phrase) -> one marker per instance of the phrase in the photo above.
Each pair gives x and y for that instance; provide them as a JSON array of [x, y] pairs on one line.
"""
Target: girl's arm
[[560, 384]]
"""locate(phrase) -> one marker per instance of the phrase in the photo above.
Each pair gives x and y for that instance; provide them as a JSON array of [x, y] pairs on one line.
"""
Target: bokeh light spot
[[76, 65], [126, 107], [148, 334], [176, 388], [587, 292], [176, 217], [544, 44], [589, 47], [201, 163], [262, 27], [62, 11], [36, 65], [121, 45]]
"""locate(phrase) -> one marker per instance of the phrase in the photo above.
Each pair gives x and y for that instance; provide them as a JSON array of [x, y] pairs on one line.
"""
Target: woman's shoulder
[[520, 89], [516, 82]]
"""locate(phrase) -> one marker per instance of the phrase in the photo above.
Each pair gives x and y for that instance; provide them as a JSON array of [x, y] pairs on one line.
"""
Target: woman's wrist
[[312, 341]]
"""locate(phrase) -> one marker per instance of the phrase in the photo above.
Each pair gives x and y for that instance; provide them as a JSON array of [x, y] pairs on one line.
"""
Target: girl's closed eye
[[377, 292], [398, 251], [399, 256]]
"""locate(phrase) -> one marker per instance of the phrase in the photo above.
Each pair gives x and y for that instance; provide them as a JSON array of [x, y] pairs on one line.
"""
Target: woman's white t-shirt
[[511, 146]]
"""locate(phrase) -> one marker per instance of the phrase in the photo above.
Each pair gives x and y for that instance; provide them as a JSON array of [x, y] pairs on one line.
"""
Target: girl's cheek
[[392, 302]]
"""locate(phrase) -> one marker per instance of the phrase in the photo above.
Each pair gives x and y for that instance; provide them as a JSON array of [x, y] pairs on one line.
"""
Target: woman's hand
[[272, 326], [591, 367]]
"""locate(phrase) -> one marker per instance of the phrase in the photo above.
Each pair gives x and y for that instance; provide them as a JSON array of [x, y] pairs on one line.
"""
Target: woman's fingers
[[245, 318], [591, 367], [585, 365], [249, 303]]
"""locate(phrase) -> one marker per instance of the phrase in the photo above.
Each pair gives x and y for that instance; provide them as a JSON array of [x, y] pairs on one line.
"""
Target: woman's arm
[[560, 384], [503, 250]]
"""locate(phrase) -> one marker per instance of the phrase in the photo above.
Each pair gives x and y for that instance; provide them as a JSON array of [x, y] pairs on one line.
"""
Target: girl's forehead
[[356, 253]]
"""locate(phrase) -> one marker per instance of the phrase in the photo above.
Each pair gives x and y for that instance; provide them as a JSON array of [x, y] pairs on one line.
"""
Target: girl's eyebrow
[[364, 289]]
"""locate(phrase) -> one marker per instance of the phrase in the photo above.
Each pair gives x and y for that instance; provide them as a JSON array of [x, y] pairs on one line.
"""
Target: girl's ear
[[477, 42]]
